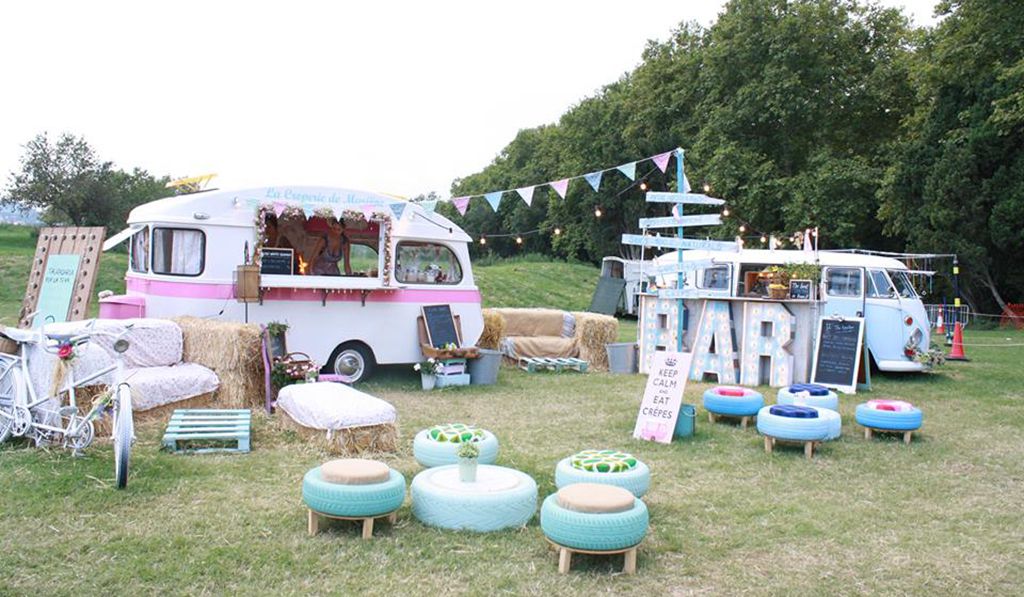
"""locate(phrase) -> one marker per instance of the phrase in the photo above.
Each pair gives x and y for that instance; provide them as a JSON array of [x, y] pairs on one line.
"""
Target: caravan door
[[843, 291]]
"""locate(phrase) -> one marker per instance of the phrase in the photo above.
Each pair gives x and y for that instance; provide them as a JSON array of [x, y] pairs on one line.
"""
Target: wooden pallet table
[[535, 364], [809, 446], [195, 429], [565, 556], [744, 420], [314, 521], [907, 435]]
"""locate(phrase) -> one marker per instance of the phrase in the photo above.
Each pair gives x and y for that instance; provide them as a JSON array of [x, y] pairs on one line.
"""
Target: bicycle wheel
[[12, 388], [123, 432]]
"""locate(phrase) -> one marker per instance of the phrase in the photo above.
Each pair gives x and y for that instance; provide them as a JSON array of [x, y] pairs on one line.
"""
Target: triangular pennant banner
[[429, 206], [494, 199], [461, 204], [560, 186], [594, 178], [367, 211], [397, 208], [686, 183], [629, 170], [526, 193], [661, 160], [278, 208]]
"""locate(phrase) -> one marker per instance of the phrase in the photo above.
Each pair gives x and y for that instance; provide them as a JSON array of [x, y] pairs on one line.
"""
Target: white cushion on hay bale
[[335, 407]]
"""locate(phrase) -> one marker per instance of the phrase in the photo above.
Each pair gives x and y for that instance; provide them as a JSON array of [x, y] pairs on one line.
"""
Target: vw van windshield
[[903, 284]]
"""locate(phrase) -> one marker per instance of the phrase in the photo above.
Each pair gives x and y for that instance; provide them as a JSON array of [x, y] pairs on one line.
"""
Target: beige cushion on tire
[[354, 471], [595, 498]]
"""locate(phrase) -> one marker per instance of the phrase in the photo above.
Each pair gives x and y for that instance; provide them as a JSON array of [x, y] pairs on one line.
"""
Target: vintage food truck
[[347, 270]]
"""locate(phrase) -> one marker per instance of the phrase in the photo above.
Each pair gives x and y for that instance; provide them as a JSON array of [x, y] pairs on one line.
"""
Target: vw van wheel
[[352, 362]]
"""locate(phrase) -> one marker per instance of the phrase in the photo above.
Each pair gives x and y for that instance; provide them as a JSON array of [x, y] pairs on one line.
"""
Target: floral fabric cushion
[[603, 461], [455, 433]]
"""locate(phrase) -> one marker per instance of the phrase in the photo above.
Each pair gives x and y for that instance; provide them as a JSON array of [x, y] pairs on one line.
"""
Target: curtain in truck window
[[178, 251]]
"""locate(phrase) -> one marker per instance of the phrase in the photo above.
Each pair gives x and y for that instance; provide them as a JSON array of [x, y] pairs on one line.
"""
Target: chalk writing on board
[[276, 261], [440, 324], [58, 287], [837, 356], [800, 289]]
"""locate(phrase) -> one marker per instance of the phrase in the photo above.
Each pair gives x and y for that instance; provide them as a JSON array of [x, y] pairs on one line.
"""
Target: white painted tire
[[438, 500]]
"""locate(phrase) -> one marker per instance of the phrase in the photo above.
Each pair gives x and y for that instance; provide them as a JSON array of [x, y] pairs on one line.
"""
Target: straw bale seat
[[552, 333], [350, 421]]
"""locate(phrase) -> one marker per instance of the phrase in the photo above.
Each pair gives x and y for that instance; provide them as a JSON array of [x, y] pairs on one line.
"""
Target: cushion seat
[[354, 471], [595, 498], [333, 406], [153, 387]]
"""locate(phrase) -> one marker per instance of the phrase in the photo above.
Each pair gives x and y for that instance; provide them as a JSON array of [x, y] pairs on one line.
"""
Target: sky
[[397, 97]]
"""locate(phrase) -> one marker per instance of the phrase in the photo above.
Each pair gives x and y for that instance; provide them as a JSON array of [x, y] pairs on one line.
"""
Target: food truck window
[[715, 278], [138, 255], [363, 259], [178, 251], [843, 281], [903, 283], [879, 285], [426, 263]]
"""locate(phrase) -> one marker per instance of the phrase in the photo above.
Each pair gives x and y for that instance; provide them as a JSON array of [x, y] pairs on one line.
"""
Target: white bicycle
[[48, 420]]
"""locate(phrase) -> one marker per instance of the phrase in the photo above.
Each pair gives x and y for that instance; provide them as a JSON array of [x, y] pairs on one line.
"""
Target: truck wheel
[[352, 361]]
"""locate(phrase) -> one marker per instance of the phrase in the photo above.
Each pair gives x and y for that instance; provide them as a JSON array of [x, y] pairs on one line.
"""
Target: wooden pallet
[[314, 521], [194, 427], [907, 435], [744, 420], [535, 364], [565, 556], [809, 446]]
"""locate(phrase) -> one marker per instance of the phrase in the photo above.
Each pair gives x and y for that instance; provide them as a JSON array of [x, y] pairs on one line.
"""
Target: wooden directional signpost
[[683, 196]]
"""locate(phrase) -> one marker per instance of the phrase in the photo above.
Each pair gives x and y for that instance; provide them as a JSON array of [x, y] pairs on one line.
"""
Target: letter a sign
[[662, 397]]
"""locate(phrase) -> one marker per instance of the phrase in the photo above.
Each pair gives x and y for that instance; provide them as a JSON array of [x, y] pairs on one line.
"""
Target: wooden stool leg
[[313, 523], [867, 433], [629, 566], [767, 444], [393, 517], [711, 417], [906, 437], [809, 449], [743, 422], [564, 560], [367, 528]]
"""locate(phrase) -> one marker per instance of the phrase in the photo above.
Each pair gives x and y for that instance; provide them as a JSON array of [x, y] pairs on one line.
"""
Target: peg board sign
[[63, 275]]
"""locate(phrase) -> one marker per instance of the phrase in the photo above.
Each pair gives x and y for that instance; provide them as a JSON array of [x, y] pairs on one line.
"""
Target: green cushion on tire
[[455, 433], [603, 461]]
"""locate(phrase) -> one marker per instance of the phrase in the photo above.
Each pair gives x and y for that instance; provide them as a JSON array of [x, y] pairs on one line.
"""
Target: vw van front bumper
[[901, 366]]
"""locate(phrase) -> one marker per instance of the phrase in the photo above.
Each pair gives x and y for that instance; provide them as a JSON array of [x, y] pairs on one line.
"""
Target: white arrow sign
[[685, 266], [692, 198], [669, 242], [672, 222]]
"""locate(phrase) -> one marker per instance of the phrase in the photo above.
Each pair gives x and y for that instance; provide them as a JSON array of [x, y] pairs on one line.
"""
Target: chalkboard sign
[[276, 261], [837, 354], [440, 324], [800, 289]]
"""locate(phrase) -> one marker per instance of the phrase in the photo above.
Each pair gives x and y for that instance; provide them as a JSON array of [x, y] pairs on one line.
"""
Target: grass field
[[940, 516]]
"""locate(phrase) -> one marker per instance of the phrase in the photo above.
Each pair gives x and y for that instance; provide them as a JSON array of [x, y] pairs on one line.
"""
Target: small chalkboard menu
[[800, 289], [276, 261], [837, 354], [440, 325]]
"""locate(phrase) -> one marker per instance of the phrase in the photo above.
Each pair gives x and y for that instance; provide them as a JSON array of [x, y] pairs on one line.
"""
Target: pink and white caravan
[[348, 271]]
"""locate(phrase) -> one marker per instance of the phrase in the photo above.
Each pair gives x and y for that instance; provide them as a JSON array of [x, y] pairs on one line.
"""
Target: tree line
[[837, 114]]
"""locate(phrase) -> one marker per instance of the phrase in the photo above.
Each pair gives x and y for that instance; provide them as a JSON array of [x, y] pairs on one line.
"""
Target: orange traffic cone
[[940, 328], [957, 352]]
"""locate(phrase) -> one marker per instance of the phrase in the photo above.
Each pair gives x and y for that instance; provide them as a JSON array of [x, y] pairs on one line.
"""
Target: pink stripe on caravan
[[180, 289]]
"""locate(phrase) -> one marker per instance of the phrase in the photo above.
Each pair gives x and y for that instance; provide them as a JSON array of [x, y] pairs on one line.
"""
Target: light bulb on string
[[558, 231], [519, 240], [643, 185], [707, 188], [597, 212], [743, 227], [483, 240], [764, 239], [725, 212]]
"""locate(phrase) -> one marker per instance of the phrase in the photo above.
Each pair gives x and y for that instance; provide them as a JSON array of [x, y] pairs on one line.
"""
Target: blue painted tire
[[829, 401], [353, 500], [432, 453], [887, 419], [449, 508], [835, 422], [636, 481], [599, 532], [816, 429], [736, 406]]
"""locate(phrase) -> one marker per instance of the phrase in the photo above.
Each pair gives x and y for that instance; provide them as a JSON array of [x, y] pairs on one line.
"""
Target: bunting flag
[[367, 210], [397, 208], [661, 160], [494, 199], [594, 178], [527, 194], [560, 186], [461, 204], [630, 170], [429, 206], [278, 208], [686, 183]]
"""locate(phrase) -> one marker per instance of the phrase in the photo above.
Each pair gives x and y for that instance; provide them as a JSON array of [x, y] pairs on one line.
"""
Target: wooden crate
[[197, 429]]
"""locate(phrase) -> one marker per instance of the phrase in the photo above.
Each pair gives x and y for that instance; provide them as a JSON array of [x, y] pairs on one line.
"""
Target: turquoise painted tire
[[791, 428], [829, 401], [585, 530], [353, 500], [835, 422], [886, 419], [636, 481], [433, 453], [457, 509], [737, 406]]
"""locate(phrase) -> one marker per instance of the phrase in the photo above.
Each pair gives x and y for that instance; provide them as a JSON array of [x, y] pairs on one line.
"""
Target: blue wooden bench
[[209, 430]]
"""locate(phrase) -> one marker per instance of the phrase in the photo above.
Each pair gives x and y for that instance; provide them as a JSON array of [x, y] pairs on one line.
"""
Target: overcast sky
[[398, 97]]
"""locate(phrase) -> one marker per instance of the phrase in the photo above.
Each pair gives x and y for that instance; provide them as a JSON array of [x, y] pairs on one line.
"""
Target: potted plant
[[428, 372], [468, 452]]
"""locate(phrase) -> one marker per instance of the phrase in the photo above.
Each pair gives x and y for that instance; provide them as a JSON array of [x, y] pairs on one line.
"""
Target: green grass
[[531, 283], [942, 515]]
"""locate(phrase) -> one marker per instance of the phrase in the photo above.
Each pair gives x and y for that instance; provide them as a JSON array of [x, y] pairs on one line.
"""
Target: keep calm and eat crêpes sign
[[663, 396]]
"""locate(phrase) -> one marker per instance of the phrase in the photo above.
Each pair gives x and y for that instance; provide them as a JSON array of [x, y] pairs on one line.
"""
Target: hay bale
[[350, 441], [234, 352], [494, 330], [593, 332]]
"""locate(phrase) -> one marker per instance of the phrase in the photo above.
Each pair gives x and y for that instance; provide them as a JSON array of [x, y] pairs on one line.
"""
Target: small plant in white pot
[[468, 452], [428, 370]]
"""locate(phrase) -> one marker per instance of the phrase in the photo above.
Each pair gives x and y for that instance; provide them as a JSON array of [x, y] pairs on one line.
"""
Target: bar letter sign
[[662, 397]]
